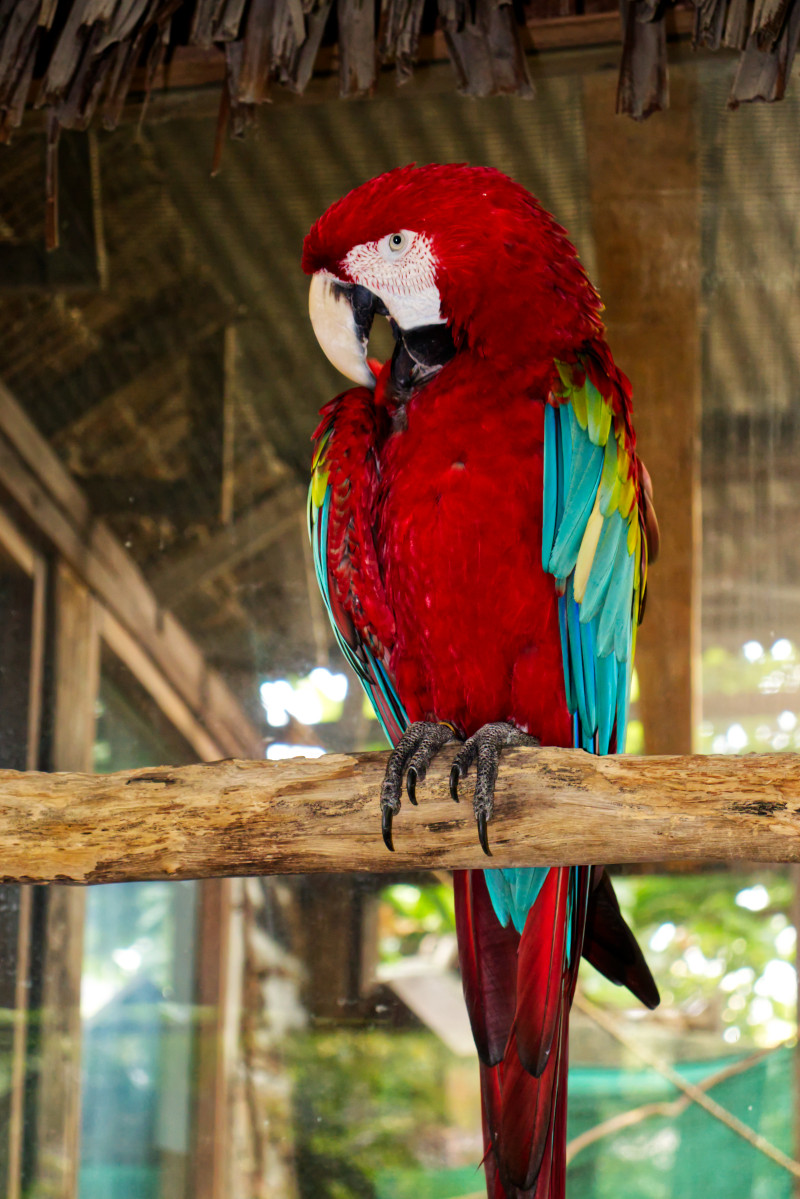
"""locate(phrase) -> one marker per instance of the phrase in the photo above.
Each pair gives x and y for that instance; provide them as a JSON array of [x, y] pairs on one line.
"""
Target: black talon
[[411, 785], [482, 835], [386, 828], [455, 779]]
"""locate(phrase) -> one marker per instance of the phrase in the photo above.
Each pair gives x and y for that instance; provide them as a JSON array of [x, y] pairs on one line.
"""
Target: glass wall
[[138, 995]]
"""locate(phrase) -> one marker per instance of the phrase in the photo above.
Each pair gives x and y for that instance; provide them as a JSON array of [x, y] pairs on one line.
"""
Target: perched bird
[[480, 524]]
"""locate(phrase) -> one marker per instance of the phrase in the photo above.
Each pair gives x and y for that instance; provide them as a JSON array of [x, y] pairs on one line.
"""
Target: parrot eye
[[396, 243]]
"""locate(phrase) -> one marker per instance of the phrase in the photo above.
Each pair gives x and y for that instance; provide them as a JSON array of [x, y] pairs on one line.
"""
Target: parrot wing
[[341, 504], [595, 533], [599, 531]]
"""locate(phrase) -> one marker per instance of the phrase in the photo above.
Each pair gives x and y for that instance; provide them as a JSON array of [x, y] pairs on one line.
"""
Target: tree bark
[[552, 807]]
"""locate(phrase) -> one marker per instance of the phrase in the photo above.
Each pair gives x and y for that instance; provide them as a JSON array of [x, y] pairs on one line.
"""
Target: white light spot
[[778, 982], [743, 977], [279, 751], [786, 941], [406, 895], [731, 1035], [305, 705], [781, 741], [128, 960], [695, 960], [276, 698], [720, 745], [333, 686], [787, 722], [737, 738], [662, 937], [753, 650], [781, 650], [755, 899], [778, 1031], [761, 1010], [95, 994]]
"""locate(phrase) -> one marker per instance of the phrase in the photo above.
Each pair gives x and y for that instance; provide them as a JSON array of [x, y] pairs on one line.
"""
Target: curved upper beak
[[341, 316]]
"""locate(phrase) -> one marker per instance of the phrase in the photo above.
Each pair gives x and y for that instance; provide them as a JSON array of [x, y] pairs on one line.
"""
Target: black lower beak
[[419, 354]]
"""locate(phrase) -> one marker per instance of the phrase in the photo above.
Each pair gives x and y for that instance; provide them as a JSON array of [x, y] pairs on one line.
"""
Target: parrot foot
[[411, 757], [485, 748]]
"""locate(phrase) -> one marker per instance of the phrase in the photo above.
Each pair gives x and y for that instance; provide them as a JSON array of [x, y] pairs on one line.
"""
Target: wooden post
[[77, 675], [213, 1066], [22, 581], [644, 185]]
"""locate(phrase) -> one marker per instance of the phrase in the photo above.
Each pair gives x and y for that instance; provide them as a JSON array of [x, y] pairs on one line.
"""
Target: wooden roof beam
[[45, 492], [250, 534]]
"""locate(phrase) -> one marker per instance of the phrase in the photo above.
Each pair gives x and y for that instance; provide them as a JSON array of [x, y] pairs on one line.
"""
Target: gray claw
[[386, 828], [483, 750], [411, 757], [483, 836]]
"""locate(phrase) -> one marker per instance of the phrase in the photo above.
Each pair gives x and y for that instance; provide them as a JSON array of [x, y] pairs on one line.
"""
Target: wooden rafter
[[44, 491], [253, 532], [237, 818]]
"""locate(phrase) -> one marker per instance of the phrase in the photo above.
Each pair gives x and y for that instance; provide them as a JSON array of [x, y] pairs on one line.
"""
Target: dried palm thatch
[[78, 59], [85, 52]]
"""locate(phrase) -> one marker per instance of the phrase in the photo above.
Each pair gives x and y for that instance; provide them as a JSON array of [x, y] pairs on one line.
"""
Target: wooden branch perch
[[234, 817]]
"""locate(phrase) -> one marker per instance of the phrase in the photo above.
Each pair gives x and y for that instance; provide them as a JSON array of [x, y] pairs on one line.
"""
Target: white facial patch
[[401, 270]]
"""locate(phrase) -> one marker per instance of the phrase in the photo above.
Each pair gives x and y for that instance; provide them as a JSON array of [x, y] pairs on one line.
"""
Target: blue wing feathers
[[585, 701], [499, 884], [586, 469], [624, 671], [513, 892], [581, 468], [589, 670], [616, 615], [562, 624], [605, 555], [607, 671], [551, 482]]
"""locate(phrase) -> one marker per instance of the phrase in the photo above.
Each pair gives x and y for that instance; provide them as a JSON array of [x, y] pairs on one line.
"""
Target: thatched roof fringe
[[91, 48]]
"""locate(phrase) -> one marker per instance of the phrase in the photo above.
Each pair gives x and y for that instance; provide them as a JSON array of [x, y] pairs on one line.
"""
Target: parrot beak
[[341, 316]]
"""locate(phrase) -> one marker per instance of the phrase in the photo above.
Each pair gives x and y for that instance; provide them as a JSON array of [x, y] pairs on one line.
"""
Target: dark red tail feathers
[[518, 991]]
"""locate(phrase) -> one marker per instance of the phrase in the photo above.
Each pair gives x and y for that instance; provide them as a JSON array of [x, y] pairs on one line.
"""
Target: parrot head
[[454, 256]]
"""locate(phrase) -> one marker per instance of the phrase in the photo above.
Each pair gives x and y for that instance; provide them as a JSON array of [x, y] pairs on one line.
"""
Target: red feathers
[[509, 280], [540, 969], [352, 422], [518, 991], [487, 954]]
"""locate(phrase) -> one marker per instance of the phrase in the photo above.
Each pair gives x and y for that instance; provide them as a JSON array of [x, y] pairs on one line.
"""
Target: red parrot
[[480, 524]]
